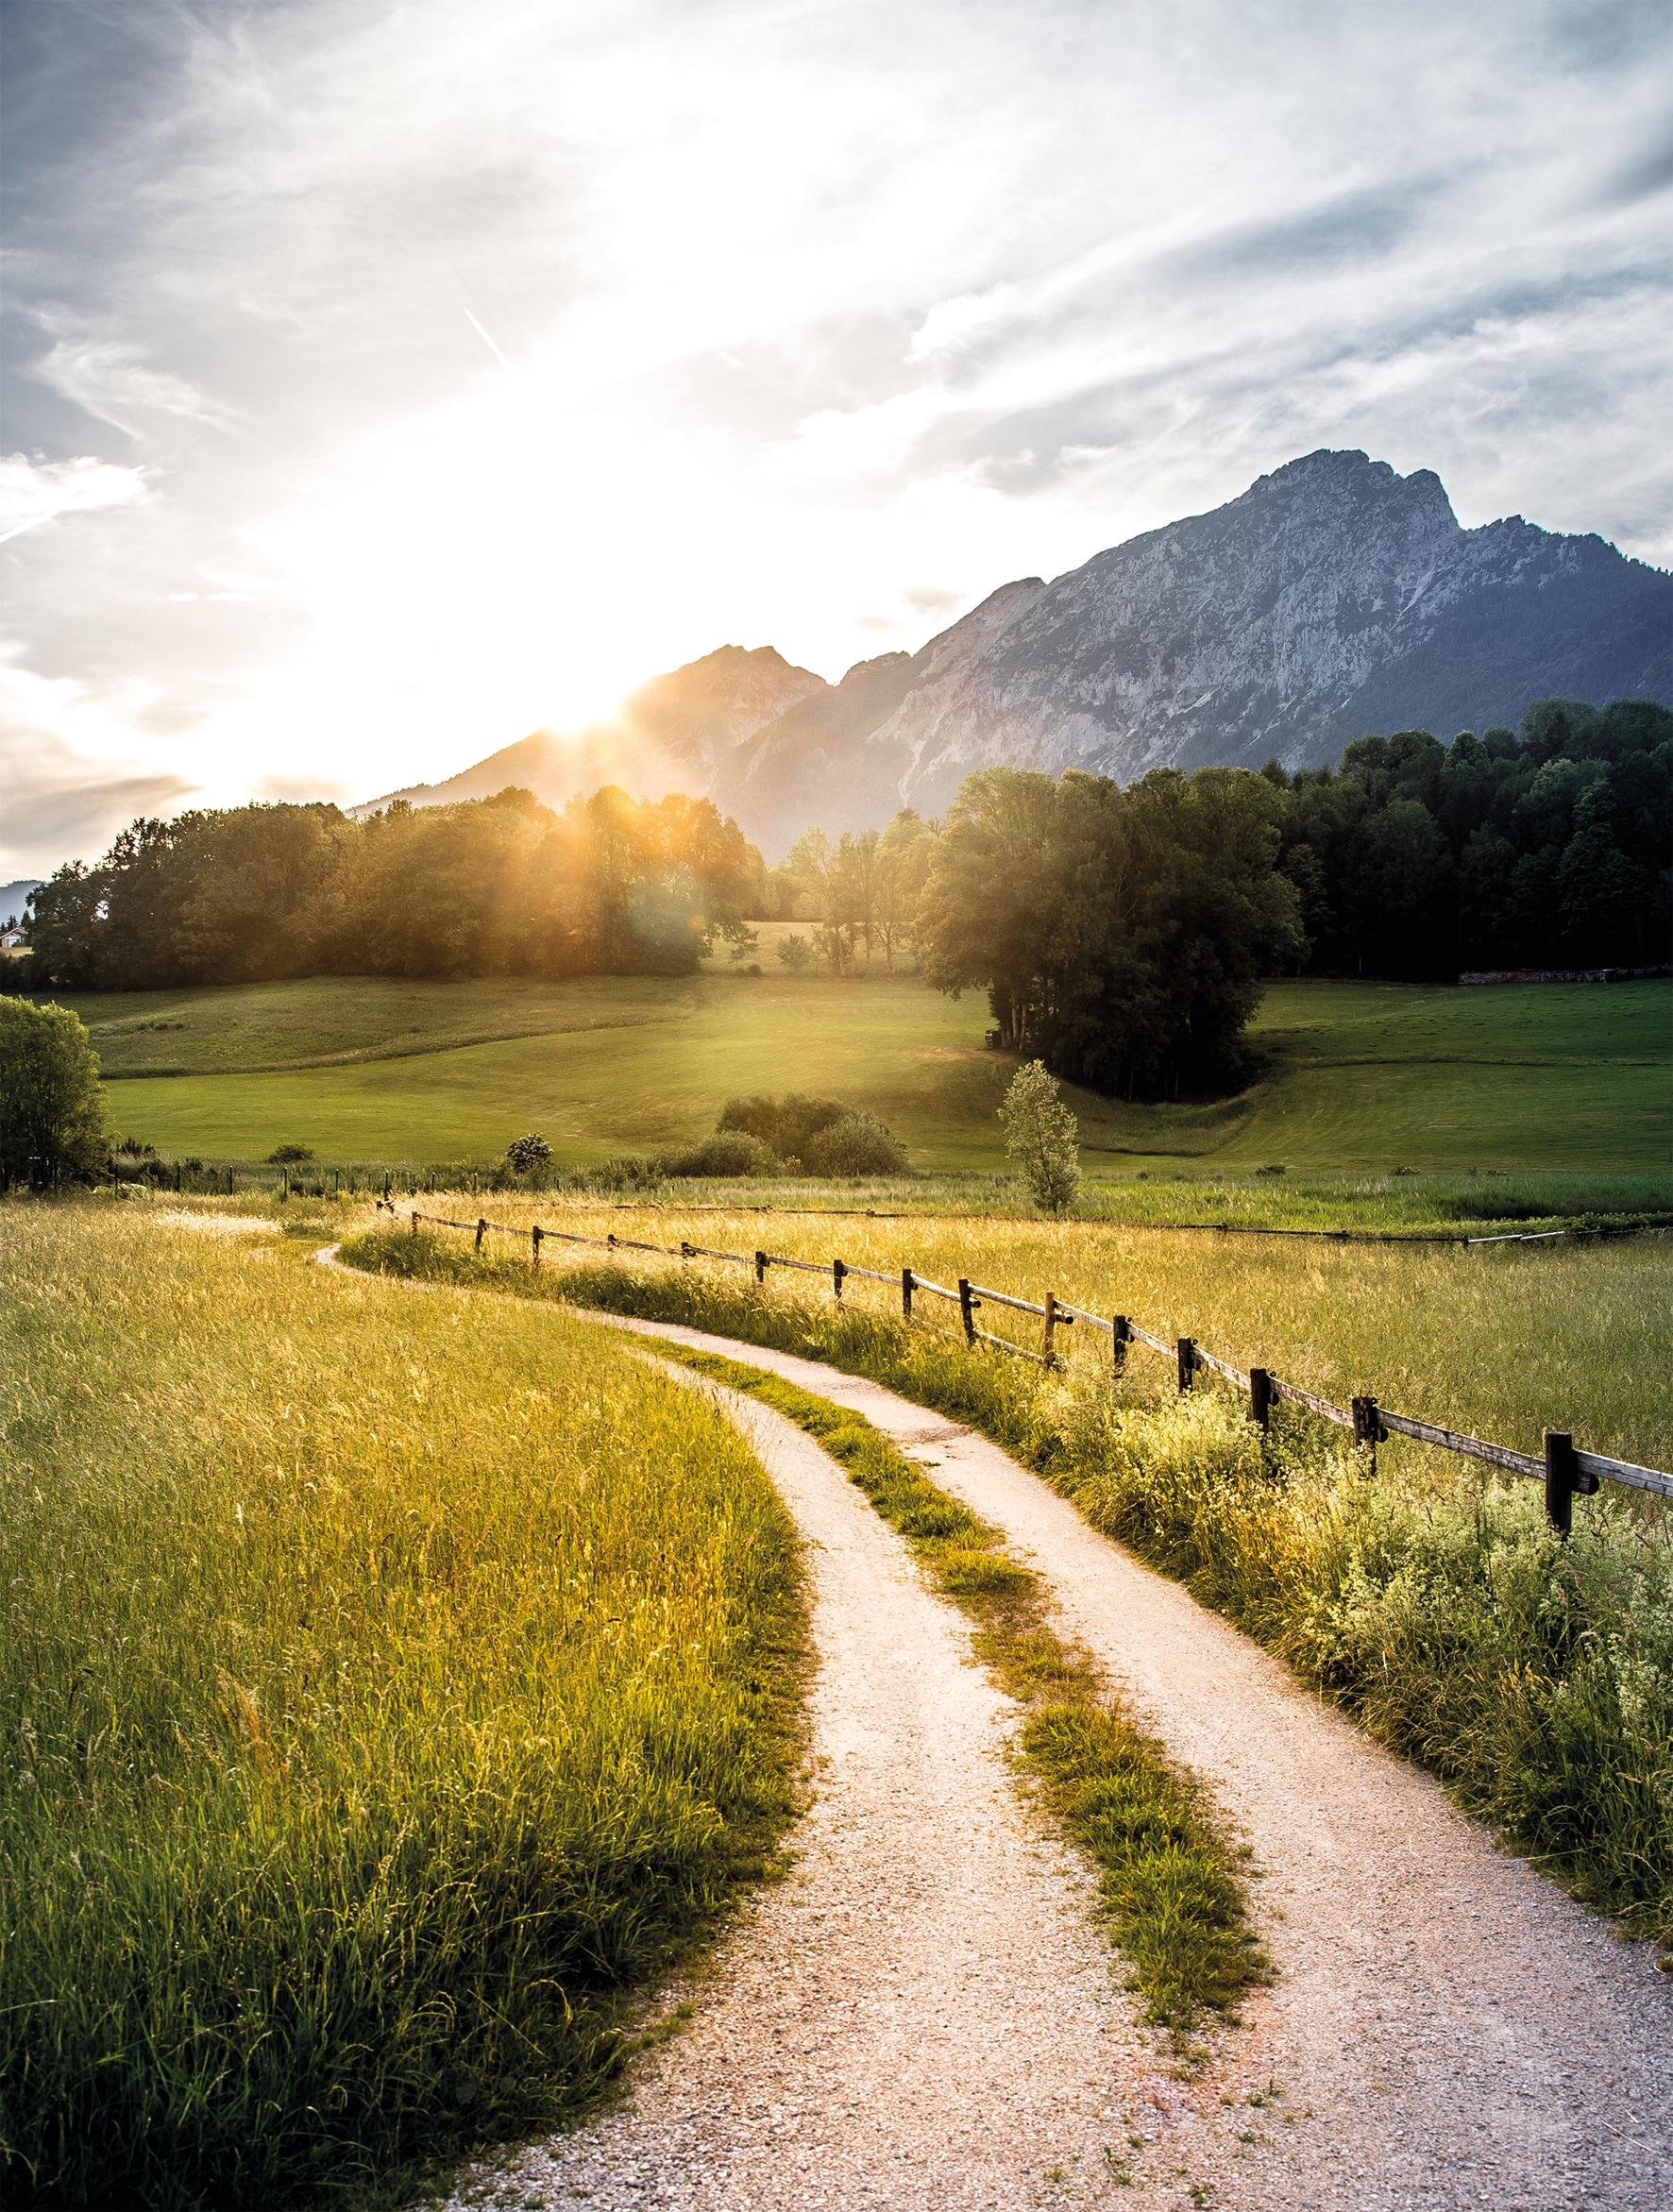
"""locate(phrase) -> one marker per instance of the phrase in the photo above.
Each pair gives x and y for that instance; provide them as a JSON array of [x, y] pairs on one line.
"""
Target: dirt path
[[1448, 2029], [920, 2015], [921, 2018]]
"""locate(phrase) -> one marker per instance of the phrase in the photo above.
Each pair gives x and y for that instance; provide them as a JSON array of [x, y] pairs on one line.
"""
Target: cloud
[[109, 379], [33, 492], [68, 778], [75, 816], [807, 304]]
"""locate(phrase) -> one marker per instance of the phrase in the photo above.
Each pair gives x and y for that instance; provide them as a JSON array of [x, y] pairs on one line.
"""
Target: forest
[[1550, 847]]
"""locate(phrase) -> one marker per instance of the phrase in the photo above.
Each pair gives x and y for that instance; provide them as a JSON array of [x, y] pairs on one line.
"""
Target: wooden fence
[[1566, 1471]]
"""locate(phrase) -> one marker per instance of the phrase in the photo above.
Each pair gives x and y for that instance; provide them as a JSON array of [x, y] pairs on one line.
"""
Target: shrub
[[858, 1145], [284, 1156], [796, 953], [821, 1134], [1044, 1137], [728, 1152], [788, 1125]]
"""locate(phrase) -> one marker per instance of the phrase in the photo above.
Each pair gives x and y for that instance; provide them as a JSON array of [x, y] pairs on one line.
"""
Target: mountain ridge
[[1332, 598]]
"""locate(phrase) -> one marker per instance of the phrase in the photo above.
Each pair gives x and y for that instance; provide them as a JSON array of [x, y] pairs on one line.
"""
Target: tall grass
[[382, 1698], [1430, 1600], [1504, 1343]]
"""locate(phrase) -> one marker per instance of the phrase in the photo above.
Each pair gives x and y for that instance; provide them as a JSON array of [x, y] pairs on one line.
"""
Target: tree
[[1122, 935], [903, 853], [1044, 1137], [523, 1155], [53, 1119]]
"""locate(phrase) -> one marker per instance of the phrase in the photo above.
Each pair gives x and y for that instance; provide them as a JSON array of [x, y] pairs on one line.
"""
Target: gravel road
[[920, 2019], [920, 2015]]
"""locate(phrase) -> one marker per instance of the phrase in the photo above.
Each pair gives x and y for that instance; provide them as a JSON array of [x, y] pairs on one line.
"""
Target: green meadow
[[389, 1686], [1355, 1077]]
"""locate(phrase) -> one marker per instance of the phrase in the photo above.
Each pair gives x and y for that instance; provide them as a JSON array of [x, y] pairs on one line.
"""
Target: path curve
[[920, 2017], [1448, 2028]]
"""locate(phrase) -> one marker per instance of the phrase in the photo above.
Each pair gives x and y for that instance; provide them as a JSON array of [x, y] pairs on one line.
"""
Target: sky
[[386, 379]]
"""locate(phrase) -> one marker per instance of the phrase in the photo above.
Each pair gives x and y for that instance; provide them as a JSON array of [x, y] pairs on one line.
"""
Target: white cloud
[[35, 491], [110, 380], [807, 305]]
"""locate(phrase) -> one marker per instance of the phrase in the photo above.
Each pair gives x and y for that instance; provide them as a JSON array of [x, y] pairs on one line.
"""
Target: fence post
[[1186, 1353], [1368, 1428], [1050, 1330], [760, 1267], [838, 1272], [966, 1307], [414, 1221], [387, 1183], [687, 1251], [534, 1236], [1260, 1397], [1118, 1347], [481, 1227], [906, 1292], [1559, 1480]]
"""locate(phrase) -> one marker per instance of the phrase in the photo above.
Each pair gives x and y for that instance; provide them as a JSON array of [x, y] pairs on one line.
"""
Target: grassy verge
[[384, 1701], [1171, 1885], [1432, 1602]]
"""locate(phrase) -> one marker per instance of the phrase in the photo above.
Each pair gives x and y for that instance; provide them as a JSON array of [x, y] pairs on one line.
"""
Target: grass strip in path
[[1170, 1884]]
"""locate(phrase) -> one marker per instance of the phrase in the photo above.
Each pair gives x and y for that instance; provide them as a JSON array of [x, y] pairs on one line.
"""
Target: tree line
[[492, 887], [1547, 847]]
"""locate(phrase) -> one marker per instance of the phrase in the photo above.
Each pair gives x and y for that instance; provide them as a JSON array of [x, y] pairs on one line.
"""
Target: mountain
[[1334, 597], [678, 732], [12, 896]]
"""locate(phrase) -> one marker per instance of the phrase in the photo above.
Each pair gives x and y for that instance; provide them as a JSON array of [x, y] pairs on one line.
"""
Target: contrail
[[34, 523], [488, 342]]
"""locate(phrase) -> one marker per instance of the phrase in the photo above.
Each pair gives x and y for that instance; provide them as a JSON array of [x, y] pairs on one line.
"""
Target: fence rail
[[1566, 1471]]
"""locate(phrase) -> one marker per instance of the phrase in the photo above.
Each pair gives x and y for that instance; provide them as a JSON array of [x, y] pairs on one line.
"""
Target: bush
[[786, 1125], [728, 1152], [821, 1134], [53, 1121], [858, 1145], [798, 954], [284, 1156]]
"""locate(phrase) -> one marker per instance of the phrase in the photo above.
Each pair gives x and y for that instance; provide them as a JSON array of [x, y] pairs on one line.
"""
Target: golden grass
[[389, 1682], [1503, 1342]]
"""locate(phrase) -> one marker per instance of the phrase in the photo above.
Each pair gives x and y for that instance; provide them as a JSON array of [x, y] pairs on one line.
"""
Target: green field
[[389, 1685], [1358, 1077]]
